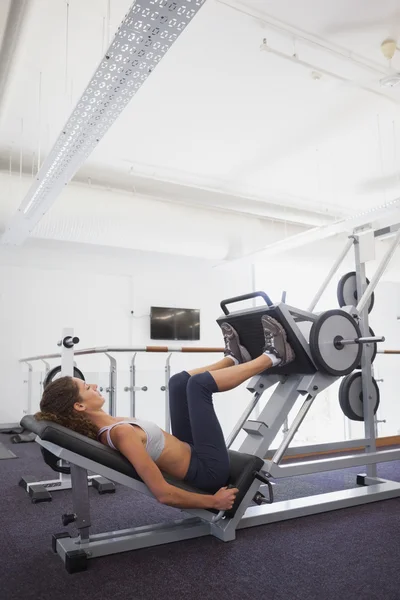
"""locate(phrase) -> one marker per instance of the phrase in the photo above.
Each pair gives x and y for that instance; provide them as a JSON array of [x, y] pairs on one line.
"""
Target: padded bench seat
[[243, 467]]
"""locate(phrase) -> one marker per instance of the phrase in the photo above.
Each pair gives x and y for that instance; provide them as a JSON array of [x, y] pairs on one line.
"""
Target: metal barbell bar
[[68, 341], [339, 343]]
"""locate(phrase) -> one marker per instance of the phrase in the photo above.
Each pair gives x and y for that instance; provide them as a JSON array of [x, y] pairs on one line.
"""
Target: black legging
[[193, 420]]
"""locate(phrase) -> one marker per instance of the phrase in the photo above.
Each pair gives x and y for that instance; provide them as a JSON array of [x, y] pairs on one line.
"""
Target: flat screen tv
[[174, 323]]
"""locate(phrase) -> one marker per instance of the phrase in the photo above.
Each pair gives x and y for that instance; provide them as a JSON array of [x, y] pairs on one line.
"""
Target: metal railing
[[112, 387]]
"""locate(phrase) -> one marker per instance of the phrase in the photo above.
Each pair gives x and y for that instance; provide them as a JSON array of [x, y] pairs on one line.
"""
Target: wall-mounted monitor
[[174, 323]]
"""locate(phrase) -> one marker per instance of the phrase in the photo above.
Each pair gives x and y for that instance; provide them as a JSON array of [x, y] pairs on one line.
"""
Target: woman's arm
[[130, 445]]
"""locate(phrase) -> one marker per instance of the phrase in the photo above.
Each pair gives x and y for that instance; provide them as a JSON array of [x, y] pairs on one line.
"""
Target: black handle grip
[[245, 297], [68, 518], [267, 482]]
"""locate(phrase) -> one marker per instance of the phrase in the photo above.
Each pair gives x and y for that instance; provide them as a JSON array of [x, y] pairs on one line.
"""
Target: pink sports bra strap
[[108, 429]]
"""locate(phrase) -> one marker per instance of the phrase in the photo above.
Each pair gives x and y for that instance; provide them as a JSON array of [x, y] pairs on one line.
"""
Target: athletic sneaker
[[233, 347], [276, 344]]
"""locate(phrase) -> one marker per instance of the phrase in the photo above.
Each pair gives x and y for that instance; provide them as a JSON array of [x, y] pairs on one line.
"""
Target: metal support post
[[80, 500], [112, 388], [376, 424], [261, 433], [347, 428], [293, 429], [369, 424], [46, 370], [46, 365], [256, 386], [329, 276], [67, 353], [166, 391], [28, 410], [238, 427], [133, 383]]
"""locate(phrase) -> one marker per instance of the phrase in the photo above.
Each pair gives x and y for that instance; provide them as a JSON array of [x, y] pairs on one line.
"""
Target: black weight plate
[[327, 357], [351, 397], [52, 375], [372, 350], [347, 291]]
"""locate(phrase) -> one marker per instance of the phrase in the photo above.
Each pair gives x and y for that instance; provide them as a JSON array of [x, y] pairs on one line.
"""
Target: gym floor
[[343, 555]]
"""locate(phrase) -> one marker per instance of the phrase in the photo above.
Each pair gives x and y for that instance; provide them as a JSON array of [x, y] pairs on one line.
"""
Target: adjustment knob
[[69, 342]]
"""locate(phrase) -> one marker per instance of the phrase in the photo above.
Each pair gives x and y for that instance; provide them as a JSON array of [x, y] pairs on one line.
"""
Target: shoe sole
[[245, 355], [275, 327]]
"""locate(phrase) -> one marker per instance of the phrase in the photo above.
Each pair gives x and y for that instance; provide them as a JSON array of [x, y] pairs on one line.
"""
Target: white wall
[[46, 286]]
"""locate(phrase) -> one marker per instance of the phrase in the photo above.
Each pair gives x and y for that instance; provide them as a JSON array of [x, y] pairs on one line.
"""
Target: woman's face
[[90, 398]]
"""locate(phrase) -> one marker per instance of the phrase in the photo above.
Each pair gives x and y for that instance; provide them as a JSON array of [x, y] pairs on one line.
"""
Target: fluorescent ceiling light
[[145, 35]]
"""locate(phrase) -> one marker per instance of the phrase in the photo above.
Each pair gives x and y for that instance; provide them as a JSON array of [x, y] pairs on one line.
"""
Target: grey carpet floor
[[349, 554]]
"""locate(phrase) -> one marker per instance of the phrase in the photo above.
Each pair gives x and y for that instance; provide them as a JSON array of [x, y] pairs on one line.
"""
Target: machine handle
[[267, 482], [245, 297]]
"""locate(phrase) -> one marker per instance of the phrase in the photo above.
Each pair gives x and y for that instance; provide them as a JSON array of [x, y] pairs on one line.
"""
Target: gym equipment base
[[77, 551], [39, 490], [320, 503]]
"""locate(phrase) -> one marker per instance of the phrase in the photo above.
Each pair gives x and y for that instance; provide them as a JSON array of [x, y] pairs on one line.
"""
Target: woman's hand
[[224, 498]]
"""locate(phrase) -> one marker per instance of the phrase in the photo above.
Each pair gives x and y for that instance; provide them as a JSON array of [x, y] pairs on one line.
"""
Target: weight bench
[[84, 454]]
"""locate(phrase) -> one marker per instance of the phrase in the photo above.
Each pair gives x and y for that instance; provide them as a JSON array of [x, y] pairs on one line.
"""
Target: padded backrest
[[248, 325], [80, 444], [242, 472]]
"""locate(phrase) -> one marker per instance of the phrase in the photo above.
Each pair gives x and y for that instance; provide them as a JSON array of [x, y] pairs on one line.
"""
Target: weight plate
[[351, 396], [55, 373], [347, 291], [371, 349], [330, 326]]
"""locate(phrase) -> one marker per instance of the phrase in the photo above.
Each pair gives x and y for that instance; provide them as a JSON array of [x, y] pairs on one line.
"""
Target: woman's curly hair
[[57, 405]]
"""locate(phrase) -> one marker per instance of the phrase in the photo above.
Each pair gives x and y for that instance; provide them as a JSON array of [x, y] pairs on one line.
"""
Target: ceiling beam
[[369, 218], [16, 18]]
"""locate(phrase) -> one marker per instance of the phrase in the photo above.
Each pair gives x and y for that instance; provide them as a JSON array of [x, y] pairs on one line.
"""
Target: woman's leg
[[234, 353], [178, 408], [209, 465], [226, 362], [227, 379]]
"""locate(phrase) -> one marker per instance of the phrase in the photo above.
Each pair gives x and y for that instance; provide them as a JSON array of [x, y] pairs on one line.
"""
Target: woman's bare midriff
[[175, 457]]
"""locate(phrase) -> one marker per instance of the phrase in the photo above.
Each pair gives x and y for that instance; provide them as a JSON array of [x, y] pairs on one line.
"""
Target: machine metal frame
[[197, 523]]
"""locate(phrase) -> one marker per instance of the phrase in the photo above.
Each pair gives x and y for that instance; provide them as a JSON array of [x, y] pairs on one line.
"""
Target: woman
[[196, 451]]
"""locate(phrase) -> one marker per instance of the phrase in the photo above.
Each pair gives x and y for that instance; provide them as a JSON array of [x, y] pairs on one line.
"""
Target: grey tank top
[[155, 436]]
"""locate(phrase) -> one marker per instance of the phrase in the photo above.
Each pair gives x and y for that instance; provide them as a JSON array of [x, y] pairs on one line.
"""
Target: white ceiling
[[224, 111]]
